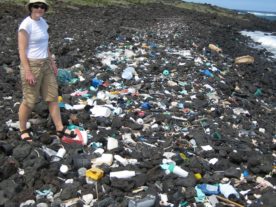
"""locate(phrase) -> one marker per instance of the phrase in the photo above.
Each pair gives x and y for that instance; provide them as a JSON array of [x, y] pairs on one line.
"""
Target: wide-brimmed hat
[[38, 1], [35, 1]]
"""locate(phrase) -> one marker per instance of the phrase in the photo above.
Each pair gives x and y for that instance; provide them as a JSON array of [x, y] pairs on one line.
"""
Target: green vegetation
[[207, 8], [98, 2], [204, 8]]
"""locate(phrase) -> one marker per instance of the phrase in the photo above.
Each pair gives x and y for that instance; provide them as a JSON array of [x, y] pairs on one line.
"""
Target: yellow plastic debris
[[60, 99], [247, 59], [183, 156], [145, 46], [94, 173], [215, 48], [198, 176]]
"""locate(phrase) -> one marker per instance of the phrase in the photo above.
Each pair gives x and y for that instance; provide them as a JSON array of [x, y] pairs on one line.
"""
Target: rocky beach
[[147, 87]]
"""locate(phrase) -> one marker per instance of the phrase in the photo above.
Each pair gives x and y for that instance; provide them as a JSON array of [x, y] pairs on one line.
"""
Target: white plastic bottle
[[60, 154], [120, 159], [227, 190], [180, 172], [172, 168], [122, 174]]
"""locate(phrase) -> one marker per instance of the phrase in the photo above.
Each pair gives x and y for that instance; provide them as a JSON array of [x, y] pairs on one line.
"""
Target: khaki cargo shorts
[[46, 83]]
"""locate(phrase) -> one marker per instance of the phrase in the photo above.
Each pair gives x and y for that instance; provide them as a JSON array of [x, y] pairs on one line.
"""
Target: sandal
[[62, 133], [28, 138]]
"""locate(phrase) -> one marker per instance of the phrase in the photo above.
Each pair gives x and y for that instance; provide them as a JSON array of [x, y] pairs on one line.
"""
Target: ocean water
[[267, 40], [262, 14], [265, 15]]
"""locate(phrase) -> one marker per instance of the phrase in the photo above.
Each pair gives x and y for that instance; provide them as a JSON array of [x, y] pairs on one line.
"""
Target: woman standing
[[38, 70]]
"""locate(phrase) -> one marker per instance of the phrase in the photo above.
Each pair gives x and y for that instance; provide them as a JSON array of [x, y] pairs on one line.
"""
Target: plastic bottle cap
[[60, 99], [171, 167], [198, 176], [63, 169], [166, 72], [245, 173], [140, 121]]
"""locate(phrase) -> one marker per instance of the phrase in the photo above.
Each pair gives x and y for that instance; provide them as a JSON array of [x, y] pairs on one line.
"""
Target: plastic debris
[[161, 119], [247, 59]]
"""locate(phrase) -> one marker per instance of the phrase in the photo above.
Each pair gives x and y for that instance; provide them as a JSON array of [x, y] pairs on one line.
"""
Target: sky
[[255, 5]]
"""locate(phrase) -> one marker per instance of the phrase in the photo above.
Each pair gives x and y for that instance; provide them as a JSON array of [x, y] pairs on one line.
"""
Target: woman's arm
[[53, 62], [22, 46]]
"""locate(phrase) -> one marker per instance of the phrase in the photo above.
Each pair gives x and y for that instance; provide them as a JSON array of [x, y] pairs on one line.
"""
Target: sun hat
[[36, 1]]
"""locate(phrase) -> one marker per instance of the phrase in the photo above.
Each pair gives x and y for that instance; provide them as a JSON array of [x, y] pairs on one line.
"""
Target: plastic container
[[15, 125], [172, 168], [80, 139], [112, 143], [209, 189], [179, 171], [122, 174], [147, 201], [94, 173], [228, 191], [78, 107], [59, 155], [120, 159], [99, 111], [104, 159], [128, 73], [214, 48], [247, 59]]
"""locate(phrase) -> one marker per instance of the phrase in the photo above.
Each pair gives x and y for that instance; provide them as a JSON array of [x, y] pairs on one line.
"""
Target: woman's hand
[[54, 66], [55, 69], [30, 78]]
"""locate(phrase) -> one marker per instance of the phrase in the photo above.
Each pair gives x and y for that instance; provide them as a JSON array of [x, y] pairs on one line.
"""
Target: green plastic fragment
[[183, 204], [258, 92]]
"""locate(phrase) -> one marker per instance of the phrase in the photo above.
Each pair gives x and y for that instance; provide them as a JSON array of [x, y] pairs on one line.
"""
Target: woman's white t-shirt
[[37, 47]]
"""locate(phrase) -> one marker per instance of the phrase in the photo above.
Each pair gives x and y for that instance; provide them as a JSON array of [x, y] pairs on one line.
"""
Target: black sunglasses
[[41, 6]]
